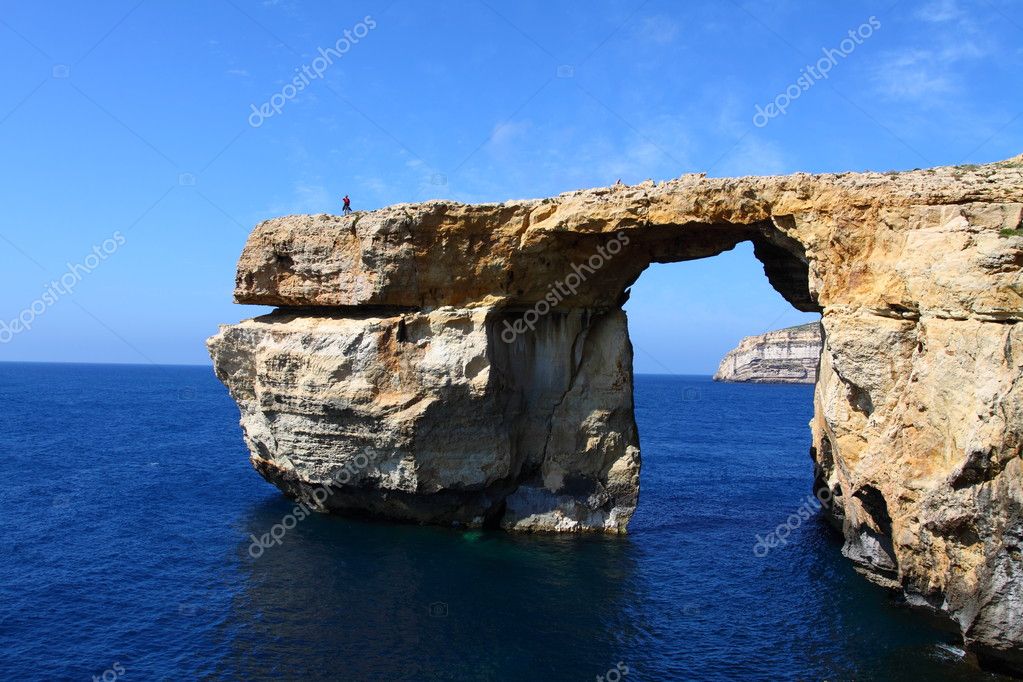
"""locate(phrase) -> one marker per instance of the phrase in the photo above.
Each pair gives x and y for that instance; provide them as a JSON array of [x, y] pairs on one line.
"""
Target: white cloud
[[752, 156], [937, 65], [657, 29], [507, 132], [939, 11], [913, 74], [312, 198], [306, 197], [926, 71], [374, 184], [926, 74]]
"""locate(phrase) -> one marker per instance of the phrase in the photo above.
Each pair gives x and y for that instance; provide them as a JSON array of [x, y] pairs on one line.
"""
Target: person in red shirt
[[347, 205]]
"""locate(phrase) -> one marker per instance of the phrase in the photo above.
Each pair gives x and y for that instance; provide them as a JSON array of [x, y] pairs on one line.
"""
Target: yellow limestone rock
[[449, 363]]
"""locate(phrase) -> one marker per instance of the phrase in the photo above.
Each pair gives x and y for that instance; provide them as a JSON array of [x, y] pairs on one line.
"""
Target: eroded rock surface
[[481, 355], [425, 418], [784, 356]]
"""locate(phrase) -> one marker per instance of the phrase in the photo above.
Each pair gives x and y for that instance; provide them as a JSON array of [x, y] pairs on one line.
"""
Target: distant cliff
[[785, 356]]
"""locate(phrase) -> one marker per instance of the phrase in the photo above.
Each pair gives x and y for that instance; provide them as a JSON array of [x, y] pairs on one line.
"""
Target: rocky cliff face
[[428, 417], [449, 363], [784, 356]]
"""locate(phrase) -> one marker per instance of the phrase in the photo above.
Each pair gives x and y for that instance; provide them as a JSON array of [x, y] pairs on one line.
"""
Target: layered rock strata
[[784, 356], [480, 354]]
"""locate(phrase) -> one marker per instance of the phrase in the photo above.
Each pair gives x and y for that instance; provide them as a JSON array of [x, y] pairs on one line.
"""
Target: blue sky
[[132, 119]]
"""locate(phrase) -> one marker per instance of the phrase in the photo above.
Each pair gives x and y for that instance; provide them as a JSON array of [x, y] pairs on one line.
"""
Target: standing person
[[347, 206]]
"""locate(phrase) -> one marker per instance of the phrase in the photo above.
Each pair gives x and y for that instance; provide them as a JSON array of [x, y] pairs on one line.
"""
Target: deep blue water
[[127, 503]]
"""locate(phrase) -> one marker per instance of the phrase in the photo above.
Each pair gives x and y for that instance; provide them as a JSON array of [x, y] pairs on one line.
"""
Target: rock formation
[[470, 364], [784, 356]]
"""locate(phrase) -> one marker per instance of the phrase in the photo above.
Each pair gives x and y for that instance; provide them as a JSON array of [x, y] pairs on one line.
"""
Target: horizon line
[[210, 365]]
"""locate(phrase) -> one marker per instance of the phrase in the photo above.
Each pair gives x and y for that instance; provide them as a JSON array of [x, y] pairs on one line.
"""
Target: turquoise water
[[128, 504]]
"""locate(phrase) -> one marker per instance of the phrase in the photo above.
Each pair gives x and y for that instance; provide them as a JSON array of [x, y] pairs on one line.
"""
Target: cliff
[[470, 364], [785, 356]]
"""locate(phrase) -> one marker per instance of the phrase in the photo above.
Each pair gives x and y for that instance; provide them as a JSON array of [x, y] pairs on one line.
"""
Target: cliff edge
[[784, 356]]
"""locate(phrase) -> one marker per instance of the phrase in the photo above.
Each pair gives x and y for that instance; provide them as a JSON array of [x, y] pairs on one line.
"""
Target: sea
[[128, 508]]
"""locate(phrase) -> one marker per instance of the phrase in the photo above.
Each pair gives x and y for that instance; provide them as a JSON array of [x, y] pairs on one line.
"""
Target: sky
[[136, 153]]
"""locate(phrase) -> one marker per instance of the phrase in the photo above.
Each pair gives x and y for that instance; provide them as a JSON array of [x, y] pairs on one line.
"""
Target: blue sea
[[128, 502]]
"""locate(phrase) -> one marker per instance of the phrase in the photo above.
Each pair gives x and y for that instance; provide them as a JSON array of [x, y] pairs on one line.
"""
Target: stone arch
[[388, 339]]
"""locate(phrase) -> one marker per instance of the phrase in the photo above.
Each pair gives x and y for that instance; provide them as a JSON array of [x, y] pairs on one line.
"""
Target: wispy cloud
[[312, 198], [913, 74], [534, 158], [508, 132], [936, 67], [307, 196], [753, 156], [749, 153], [939, 11], [657, 29]]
